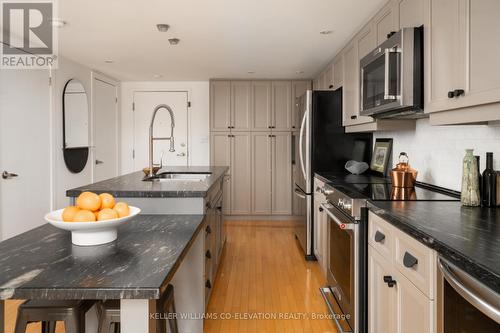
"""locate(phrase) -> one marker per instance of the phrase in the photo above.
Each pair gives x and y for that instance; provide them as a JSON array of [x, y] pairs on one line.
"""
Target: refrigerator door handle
[[301, 153]]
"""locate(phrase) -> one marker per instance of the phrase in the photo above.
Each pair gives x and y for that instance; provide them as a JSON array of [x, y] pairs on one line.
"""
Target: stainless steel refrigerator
[[320, 144]]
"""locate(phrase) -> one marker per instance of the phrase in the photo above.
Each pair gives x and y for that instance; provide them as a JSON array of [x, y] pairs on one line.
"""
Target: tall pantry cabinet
[[251, 125]]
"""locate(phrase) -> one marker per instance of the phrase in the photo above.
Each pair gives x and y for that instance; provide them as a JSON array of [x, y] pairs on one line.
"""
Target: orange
[[122, 209], [107, 200], [89, 201], [69, 213], [107, 214], [84, 215]]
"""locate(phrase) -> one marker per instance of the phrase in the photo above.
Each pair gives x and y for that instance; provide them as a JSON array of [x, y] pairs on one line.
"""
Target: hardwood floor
[[263, 273]]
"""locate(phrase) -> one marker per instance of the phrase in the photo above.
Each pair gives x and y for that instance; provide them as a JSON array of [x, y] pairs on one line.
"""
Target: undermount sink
[[180, 176]]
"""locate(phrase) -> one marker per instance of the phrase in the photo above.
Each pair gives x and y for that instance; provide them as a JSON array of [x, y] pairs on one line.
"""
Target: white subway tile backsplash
[[437, 151]]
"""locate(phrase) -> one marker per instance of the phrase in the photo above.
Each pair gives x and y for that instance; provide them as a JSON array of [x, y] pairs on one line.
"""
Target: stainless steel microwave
[[391, 82]]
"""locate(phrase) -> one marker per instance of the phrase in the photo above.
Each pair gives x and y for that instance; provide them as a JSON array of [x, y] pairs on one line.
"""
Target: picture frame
[[382, 151]]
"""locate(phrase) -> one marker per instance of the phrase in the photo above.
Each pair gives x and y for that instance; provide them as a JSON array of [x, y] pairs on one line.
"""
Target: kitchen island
[[151, 252], [163, 196]]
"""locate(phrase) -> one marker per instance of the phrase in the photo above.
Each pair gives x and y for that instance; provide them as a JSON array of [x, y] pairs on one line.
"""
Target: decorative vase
[[470, 181]]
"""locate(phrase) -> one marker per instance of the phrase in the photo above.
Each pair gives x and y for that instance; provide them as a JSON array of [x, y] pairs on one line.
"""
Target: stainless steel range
[[346, 291]]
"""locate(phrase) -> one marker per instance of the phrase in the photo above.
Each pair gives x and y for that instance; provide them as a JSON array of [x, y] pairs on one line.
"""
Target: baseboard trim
[[260, 218]]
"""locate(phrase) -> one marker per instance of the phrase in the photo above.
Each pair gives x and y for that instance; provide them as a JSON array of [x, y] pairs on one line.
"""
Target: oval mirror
[[75, 126]]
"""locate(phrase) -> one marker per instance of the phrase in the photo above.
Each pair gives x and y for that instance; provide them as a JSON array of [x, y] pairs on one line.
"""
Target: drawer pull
[[208, 230], [409, 261], [390, 281], [208, 284], [379, 237], [208, 255]]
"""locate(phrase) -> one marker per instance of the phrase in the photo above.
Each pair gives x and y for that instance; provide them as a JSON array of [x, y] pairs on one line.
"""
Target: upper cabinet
[[461, 59], [281, 105], [298, 89], [338, 73], [411, 13], [262, 105], [328, 80], [220, 105], [386, 21], [241, 92]]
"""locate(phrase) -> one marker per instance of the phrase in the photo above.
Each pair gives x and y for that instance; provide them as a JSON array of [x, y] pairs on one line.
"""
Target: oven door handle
[[387, 95], [343, 226], [483, 298], [299, 193]]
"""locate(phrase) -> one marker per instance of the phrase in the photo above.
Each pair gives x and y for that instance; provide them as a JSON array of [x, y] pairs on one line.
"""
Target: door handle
[[99, 162], [9, 175], [181, 154]]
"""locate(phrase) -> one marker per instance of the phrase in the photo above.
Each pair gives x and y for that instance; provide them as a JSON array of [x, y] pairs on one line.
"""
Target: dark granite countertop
[[132, 185], [467, 236], [43, 264]]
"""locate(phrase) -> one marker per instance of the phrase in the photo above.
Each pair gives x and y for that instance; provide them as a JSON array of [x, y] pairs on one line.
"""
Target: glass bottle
[[489, 183], [470, 195]]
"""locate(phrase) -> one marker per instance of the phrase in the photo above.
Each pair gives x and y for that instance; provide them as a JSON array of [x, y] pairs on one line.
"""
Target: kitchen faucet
[[152, 138]]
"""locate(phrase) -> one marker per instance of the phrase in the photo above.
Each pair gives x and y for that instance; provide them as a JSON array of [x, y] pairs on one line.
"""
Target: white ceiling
[[219, 38]]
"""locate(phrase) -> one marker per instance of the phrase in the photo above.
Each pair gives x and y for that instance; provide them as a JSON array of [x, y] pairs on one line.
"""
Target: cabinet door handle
[[354, 117], [409, 261], [390, 281], [379, 237], [459, 92], [208, 255], [208, 230], [9, 175], [320, 209], [330, 86], [208, 284]]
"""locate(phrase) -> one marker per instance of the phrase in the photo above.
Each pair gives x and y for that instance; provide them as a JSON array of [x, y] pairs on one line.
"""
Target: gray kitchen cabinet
[[461, 60], [220, 105], [241, 113], [220, 154], [281, 145], [261, 173], [411, 13], [271, 173], [338, 72], [386, 21], [261, 105], [397, 292], [328, 79], [366, 40], [241, 186], [281, 105], [298, 89]]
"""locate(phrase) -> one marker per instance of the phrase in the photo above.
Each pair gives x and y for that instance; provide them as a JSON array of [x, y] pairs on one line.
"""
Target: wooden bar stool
[[108, 313], [167, 306], [72, 313]]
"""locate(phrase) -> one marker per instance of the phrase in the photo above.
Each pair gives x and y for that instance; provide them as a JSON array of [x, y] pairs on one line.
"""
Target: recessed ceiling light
[[157, 76], [325, 32], [251, 72], [299, 72], [162, 27], [174, 41], [109, 61], [58, 23]]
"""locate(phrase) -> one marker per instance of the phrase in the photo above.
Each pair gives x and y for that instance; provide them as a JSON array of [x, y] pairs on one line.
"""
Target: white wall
[[198, 122], [437, 151]]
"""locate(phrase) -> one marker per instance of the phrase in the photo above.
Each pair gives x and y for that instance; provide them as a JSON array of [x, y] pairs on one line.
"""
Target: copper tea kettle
[[403, 176]]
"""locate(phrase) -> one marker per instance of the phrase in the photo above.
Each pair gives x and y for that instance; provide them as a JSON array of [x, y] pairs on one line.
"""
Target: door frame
[[116, 84], [188, 99]]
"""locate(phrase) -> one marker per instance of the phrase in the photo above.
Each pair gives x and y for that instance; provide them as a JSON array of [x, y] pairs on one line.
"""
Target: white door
[[105, 129], [24, 150], [144, 104]]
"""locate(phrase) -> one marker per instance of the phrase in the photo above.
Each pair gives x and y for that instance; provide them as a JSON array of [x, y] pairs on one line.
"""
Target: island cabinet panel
[[241, 113], [282, 105], [240, 173], [299, 88], [396, 304], [281, 153], [261, 173], [220, 152], [262, 105], [220, 105], [461, 60]]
